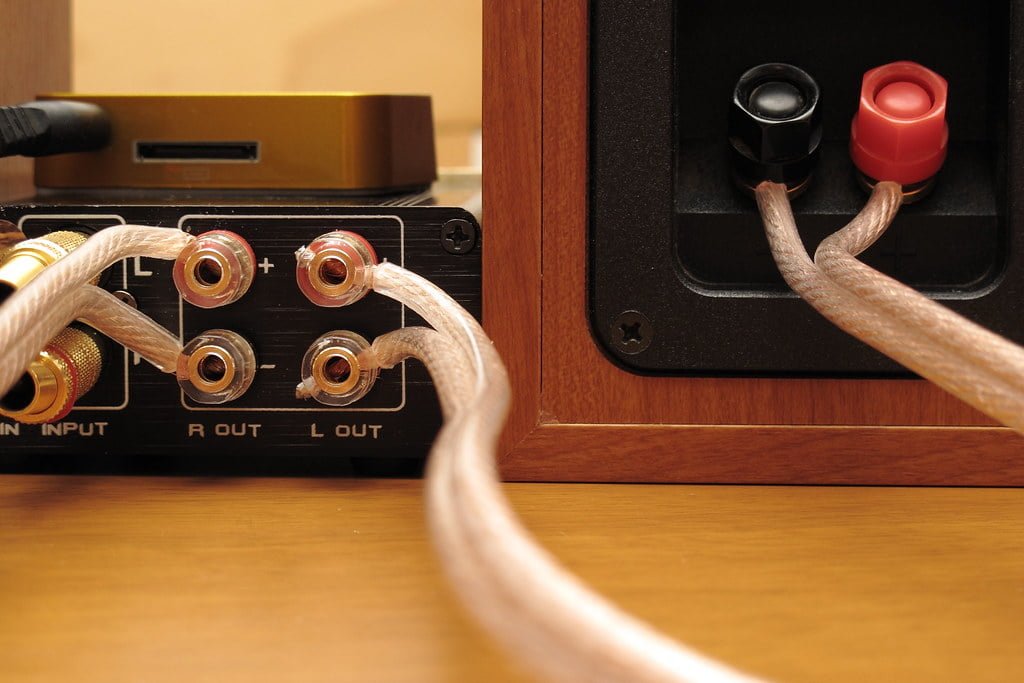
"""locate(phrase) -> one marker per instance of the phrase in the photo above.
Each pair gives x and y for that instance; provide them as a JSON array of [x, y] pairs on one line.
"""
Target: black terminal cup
[[775, 127]]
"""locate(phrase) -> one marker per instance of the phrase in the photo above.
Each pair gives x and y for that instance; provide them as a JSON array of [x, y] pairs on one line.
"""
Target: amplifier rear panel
[[136, 410]]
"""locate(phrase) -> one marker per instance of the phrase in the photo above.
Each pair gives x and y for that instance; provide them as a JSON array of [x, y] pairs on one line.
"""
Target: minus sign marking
[[267, 366]]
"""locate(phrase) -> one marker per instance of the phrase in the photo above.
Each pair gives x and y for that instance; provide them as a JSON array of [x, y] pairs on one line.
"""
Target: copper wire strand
[[851, 297], [837, 257], [516, 589]]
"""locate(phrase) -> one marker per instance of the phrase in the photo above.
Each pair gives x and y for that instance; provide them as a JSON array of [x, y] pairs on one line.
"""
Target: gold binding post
[[333, 369], [334, 269], [216, 367], [214, 270]]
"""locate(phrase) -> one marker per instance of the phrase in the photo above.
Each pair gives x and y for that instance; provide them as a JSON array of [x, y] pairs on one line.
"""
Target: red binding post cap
[[900, 132]]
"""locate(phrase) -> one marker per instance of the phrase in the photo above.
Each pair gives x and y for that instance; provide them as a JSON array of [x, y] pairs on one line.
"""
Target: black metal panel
[[138, 412], [674, 244]]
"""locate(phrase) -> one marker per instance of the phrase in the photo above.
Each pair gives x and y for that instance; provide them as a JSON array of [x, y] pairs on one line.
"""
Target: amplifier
[[137, 414]]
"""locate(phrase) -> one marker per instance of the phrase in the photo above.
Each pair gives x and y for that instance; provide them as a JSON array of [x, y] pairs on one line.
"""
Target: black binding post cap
[[775, 127]]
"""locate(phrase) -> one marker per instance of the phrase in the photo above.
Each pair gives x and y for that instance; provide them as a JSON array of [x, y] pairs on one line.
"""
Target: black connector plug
[[46, 127]]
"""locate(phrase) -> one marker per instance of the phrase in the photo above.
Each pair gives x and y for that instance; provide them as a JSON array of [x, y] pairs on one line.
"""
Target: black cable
[[36, 129]]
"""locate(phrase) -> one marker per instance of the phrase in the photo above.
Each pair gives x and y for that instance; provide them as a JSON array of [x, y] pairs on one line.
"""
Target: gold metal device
[[61, 374], [25, 260], [216, 367], [343, 142], [71, 363], [333, 370]]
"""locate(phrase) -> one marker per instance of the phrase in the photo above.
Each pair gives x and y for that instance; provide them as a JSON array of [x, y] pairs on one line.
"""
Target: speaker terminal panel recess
[[697, 282]]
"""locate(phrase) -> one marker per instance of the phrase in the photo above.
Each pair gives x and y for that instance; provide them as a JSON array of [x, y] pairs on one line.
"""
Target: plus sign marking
[[265, 265]]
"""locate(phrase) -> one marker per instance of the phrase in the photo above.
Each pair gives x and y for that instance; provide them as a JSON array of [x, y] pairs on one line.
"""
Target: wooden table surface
[[163, 579]]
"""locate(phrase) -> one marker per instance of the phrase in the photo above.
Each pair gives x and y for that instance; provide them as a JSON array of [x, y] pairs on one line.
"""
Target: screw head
[[125, 297], [458, 236], [632, 332]]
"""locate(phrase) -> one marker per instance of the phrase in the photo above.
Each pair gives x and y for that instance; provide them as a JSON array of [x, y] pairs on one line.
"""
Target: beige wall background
[[402, 46]]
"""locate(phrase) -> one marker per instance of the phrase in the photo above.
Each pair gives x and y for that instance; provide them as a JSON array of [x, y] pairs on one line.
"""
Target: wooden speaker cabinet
[[577, 416], [37, 58]]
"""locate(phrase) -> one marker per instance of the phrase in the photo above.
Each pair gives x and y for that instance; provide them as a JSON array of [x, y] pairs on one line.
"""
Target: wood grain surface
[[36, 59], [135, 579], [578, 387], [511, 186], [919, 456]]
